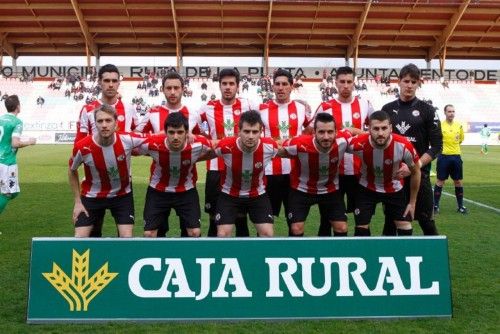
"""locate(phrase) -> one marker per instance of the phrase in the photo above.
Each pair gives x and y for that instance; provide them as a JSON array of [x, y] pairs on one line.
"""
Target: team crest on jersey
[[237, 112], [121, 118], [258, 165], [388, 161], [334, 160], [121, 157], [186, 162], [415, 113], [293, 116], [356, 115]]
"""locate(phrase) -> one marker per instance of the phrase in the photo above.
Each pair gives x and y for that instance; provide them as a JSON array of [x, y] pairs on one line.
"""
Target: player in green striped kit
[[11, 129]]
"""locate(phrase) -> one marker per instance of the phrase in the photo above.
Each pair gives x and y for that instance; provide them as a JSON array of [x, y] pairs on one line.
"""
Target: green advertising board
[[92, 280]]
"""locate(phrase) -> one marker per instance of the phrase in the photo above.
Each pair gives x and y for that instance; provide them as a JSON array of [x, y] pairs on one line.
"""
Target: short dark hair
[[380, 116], [283, 73], [343, 70], [172, 75], [11, 103], [229, 72], [251, 117], [323, 117], [108, 68], [410, 69], [108, 109], [446, 106], [176, 120]]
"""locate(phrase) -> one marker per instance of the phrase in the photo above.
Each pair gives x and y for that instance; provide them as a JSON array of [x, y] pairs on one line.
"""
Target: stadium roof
[[372, 29]]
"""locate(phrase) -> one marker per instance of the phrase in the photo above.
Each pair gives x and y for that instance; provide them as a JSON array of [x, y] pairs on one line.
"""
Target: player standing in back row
[[283, 119], [419, 123], [222, 117], [350, 113], [11, 128]]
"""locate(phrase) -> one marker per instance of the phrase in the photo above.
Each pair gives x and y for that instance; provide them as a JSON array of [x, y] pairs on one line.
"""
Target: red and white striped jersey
[[283, 121], [222, 121], [126, 120], [379, 165], [244, 172], [354, 114], [313, 171], [107, 168], [154, 120], [173, 171]]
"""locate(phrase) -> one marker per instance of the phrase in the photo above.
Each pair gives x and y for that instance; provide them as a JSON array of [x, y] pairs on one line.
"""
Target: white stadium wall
[[55, 122]]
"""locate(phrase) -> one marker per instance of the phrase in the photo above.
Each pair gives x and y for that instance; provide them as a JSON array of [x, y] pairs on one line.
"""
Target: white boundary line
[[474, 202]]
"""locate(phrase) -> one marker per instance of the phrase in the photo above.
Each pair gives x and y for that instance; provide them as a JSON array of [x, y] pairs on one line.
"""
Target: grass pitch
[[44, 210]]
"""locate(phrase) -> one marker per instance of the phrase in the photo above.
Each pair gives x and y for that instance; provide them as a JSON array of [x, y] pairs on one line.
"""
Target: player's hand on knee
[[78, 210], [410, 211]]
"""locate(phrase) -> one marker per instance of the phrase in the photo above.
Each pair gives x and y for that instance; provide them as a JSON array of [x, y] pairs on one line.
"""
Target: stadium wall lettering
[[207, 71], [207, 279]]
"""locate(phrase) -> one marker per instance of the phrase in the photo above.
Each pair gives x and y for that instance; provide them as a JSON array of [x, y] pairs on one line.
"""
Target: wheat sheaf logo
[[79, 290]]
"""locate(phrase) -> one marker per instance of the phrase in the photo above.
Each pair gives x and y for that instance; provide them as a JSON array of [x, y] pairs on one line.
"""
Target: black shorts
[[212, 191], [449, 165], [121, 207], [158, 205], [330, 204], [258, 208], [278, 188], [424, 209], [348, 185], [367, 200]]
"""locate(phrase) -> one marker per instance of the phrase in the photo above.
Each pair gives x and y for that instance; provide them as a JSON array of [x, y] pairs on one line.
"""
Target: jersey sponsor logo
[[229, 127], [323, 170], [246, 175], [379, 172], [395, 111], [114, 173], [415, 113], [403, 127], [284, 127], [175, 171], [78, 289], [356, 115]]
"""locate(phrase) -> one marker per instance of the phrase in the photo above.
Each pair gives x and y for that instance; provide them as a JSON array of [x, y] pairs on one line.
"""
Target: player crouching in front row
[[106, 159], [314, 177], [382, 153], [243, 184], [173, 178]]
